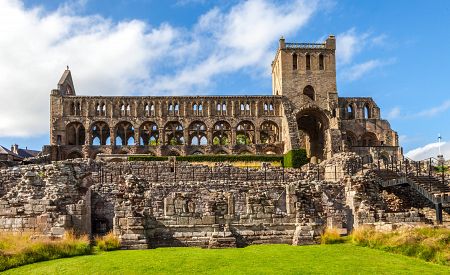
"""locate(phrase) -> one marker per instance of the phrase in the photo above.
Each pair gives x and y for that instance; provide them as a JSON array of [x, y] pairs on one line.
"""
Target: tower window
[[294, 61], [309, 92], [321, 67], [308, 62]]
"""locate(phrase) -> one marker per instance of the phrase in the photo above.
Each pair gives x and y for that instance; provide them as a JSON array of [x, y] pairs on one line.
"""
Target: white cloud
[[349, 44], [128, 57], [435, 110], [357, 71], [429, 150], [394, 113]]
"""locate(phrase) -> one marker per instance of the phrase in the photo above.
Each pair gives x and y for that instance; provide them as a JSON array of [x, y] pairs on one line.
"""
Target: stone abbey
[[304, 111]]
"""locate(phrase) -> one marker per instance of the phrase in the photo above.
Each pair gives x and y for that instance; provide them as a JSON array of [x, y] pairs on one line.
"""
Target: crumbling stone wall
[[154, 204]]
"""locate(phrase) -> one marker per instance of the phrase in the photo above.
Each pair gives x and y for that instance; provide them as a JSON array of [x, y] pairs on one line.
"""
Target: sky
[[394, 51]]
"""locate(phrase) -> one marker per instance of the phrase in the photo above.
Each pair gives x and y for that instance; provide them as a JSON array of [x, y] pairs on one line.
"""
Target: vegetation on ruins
[[108, 242], [257, 259], [18, 249], [294, 158]]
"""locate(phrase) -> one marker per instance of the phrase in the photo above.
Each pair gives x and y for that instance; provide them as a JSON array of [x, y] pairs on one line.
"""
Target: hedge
[[213, 158], [295, 158]]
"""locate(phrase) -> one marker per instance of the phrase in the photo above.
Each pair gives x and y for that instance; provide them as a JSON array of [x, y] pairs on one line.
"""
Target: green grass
[[263, 259]]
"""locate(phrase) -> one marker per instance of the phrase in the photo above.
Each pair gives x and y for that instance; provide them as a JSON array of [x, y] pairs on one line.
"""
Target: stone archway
[[313, 125]]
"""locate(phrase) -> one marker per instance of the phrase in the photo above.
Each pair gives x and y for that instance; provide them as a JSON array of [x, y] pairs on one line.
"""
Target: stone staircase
[[430, 187]]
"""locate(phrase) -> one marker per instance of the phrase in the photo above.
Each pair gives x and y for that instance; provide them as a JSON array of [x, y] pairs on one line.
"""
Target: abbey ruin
[[304, 111], [357, 174]]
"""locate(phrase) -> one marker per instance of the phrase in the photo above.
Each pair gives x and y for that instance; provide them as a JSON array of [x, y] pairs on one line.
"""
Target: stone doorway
[[313, 129]]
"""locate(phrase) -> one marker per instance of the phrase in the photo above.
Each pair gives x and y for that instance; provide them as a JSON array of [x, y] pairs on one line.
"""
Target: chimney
[[15, 149]]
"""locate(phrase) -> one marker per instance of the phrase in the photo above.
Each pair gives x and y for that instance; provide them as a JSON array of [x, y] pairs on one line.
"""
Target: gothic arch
[[125, 133], [174, 133], [75, 134], [197, 133], [149, 134], [245, 133], [221, 134], [100, 133], [270, 132]]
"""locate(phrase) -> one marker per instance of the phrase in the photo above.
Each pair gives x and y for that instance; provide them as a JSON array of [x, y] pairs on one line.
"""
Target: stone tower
[[305, 74]]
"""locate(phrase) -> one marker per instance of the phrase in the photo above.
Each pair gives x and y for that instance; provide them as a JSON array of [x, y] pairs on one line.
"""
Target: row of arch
[[367, 111], [173, 133], [366, 139], [307, 62], [173, 108]]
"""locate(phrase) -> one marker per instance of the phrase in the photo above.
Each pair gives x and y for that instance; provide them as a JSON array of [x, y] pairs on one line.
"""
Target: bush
[[21, 248], [427, 243], [331, 236], [212, 158], [295, 158], [108, 242]]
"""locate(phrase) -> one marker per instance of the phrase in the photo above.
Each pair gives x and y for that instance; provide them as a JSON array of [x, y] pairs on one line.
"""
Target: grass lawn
[[263, 259]]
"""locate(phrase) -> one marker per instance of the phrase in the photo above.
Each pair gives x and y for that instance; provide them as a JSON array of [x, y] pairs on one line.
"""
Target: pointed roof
[[4, 151], [65, 83]]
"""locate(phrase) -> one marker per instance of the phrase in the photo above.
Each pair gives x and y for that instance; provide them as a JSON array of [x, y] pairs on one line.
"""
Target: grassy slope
[[267, 259]]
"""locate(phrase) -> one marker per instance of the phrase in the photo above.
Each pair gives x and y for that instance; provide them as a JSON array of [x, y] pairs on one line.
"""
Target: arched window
[[149, 134], [174, 133], [197, 133], [308, 62], [98, 109], [350, 111], [75, 134], [177, 109], [200, 109], [321, 63], [269, 132], [100, 130], [124, 133], [245, 133], [367, 113], [152, 109], [103, 109], [221, 133], [309, 92], [147, 109], [294, 61], [128, 110], [122, 109]]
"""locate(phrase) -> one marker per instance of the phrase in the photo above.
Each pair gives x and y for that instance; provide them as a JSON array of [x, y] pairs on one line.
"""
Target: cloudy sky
[[394, 51]]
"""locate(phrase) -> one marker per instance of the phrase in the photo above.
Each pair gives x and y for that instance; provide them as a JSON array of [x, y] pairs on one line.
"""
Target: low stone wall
[[154, 204]]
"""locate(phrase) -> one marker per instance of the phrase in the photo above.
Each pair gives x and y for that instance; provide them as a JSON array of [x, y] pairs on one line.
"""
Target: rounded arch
[[351, 139], [125, 133], [309, 92], [100, 133], [75, 134], [197, 133], [369, 139], [245, 133], [313, 124], [174, 133], [270, 132], [367, 111], [350, 110], [221, 134], [149, 134]]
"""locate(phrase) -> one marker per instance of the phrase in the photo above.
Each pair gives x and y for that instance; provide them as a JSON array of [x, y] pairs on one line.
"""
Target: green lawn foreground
[[260, 259]]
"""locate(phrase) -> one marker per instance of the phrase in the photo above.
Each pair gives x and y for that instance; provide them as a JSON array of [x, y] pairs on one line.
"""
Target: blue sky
[[394, 51]]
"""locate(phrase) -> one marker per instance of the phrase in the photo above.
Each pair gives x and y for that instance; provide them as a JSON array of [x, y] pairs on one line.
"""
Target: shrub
[[295, 158], [427, 243], [21, 248], [331, 236], [212, 158], [108, 242]]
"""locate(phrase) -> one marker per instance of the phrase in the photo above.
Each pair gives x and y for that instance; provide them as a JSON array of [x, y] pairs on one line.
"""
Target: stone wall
[[154, 204]]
